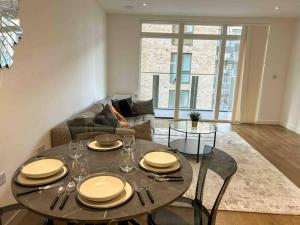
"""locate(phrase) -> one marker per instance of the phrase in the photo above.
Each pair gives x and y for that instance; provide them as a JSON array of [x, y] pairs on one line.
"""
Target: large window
[[186, 67], [184, 99], [190, 67]]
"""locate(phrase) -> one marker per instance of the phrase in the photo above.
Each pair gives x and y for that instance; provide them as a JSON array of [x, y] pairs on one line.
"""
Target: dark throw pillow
[[106, 117], [123, 106], [143, 107]]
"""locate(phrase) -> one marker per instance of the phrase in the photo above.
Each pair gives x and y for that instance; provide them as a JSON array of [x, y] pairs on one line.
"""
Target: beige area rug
[[257, 186]]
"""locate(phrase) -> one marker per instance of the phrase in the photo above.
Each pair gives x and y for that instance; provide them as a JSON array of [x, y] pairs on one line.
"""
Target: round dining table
[[163, 193]]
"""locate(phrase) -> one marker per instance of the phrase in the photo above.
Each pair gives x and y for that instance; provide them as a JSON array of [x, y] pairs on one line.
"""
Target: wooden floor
[[282, 148], [279, 145]]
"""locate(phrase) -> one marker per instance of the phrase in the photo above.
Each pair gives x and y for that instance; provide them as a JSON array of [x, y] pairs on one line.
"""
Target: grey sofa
[[61, 133]]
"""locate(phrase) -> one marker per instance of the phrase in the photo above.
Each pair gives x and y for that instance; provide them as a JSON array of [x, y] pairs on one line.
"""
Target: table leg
[[186, 136], [49, 222], [169, 135], [215, 138], [198, 150], [133, 222]]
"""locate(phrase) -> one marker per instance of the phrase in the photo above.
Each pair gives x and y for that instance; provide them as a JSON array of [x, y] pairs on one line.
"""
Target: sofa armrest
[[60, 134]]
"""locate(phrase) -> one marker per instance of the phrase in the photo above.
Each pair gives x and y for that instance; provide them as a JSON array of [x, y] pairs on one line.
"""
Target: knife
[[163, 179], [163, 176], [149, 194], [136, 190], [38, 189]]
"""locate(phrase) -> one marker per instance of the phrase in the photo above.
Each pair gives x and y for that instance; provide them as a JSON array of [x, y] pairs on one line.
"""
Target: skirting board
[[273, 122], [291, 127], [270, 122]]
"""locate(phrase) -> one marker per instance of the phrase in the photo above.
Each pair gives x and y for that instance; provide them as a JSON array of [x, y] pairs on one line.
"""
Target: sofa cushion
[[122, 120], [96, 108], [106, 117], [143, 107], [123, 106], [143, 131]]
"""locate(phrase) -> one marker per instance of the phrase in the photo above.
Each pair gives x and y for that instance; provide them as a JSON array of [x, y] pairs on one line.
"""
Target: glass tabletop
[[186, 126]]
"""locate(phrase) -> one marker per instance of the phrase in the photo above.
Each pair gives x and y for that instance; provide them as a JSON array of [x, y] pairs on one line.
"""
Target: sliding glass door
[[200, 87], [204, 81], [157, 75]]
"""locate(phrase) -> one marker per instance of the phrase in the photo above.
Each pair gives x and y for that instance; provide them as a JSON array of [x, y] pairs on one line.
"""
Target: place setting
[[104, 190], [105, 142], [41, 171], [160, 164]]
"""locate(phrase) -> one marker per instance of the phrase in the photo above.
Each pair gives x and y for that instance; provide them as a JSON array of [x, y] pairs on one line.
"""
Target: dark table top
[[163, 192]]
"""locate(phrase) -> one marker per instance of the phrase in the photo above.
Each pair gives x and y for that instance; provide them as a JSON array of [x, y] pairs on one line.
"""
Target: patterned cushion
[[123, 122], [143, 131]]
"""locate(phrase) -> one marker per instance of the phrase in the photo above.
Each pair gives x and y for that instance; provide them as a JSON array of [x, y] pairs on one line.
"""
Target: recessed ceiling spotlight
[[276, 7], [145, 4], [128, 7]]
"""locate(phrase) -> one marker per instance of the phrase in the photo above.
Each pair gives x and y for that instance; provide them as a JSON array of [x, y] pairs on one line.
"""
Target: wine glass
[[129, 142], [80, 169], [75, 149], [126, 156]]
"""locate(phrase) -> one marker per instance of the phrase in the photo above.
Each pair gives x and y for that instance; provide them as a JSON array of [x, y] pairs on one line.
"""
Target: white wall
[[59, 68], [123, 56], [291, 108], [277, 63]]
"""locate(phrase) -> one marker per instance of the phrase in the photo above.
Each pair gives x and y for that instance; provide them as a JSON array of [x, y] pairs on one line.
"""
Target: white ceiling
[[219, 8]]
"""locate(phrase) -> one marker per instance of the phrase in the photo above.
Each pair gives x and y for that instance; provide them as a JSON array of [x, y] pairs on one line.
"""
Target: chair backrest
[[8, 208], [222, 164]]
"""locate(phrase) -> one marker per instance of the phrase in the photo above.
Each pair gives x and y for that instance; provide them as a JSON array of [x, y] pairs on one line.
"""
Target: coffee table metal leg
[[169, 136], [215, 138], [198, 150]]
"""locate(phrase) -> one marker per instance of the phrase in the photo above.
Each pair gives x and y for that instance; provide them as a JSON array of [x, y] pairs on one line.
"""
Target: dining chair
[[9, 215], [186, 211]]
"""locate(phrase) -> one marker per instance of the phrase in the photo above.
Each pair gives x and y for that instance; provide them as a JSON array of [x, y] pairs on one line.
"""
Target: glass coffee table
[[195, 138]]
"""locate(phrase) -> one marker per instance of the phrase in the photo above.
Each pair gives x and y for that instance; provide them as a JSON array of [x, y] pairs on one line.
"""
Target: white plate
[[121, 199], [23, 180], [160, 159], [176, 166], [94, 145], [101, 188], [42, 168]]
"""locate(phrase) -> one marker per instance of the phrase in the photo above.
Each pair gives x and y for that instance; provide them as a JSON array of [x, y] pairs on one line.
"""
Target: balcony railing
[[197, 91]]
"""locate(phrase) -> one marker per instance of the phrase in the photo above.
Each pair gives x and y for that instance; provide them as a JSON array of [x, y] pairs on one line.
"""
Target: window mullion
[[220, 74], [178, 70]]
